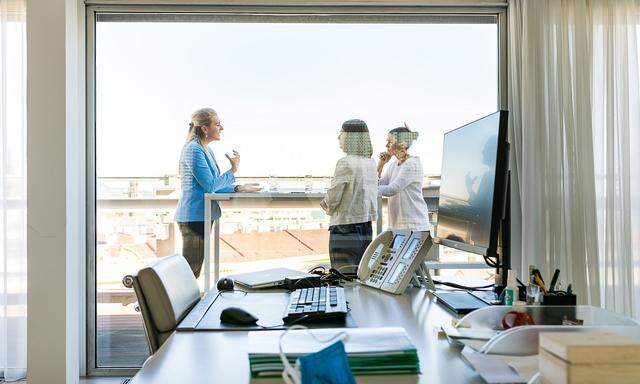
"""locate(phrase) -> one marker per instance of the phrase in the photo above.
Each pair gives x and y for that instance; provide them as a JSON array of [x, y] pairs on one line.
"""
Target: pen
[[531, 269], [554, 280], [536, 272], [569, 292], [540, 283]]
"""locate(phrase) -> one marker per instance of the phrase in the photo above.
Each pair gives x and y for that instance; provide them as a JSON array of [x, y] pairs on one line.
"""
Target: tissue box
[[588, 357]]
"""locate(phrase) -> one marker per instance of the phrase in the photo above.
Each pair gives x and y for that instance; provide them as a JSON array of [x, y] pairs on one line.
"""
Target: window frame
[[425, 11]]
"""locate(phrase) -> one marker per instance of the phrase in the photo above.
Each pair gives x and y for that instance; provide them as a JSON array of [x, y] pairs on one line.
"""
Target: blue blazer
[[200, 174]]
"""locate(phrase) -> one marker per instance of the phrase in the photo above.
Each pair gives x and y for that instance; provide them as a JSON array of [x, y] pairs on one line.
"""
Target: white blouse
[[403, 185], [353, 195]]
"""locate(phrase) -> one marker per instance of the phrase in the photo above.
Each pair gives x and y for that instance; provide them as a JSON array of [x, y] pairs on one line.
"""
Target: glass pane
[[282, 91]]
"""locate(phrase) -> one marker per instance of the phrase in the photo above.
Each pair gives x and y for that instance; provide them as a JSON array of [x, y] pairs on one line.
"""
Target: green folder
[[370, 351]]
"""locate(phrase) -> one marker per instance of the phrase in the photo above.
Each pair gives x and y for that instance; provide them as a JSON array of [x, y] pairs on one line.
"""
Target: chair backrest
[[166, 290]]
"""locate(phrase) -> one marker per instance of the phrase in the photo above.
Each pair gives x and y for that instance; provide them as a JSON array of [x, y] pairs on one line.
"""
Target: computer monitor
[[473, 185]]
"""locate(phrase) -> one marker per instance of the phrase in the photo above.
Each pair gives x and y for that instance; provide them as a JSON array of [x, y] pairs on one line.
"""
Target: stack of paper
[[370, 351]]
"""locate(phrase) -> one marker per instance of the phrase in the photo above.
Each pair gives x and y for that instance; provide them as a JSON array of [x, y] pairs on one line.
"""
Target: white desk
[[221, 357]]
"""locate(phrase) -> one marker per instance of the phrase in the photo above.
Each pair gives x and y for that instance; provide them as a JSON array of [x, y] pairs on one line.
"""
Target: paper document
[[361, 340], [469, 333]]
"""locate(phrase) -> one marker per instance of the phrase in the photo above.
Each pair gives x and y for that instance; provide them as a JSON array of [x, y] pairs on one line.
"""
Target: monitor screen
[[471, 160]]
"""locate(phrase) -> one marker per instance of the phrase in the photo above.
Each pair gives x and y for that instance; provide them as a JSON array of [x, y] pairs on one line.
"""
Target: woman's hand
[[235, 161], [248, 188], [382, 160]]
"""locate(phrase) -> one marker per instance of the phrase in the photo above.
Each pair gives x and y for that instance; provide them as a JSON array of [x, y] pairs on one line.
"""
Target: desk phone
[[391, 259]]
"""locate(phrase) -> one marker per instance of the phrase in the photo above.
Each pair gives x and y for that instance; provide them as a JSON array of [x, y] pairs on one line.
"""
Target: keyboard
[[319, 304]]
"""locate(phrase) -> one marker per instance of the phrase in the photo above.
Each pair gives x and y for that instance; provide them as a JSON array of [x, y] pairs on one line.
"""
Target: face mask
[[327, 366]]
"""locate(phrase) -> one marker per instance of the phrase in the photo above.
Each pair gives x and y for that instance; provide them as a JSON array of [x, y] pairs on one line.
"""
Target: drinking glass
[[308, 183], [273, 183], [533, 291]]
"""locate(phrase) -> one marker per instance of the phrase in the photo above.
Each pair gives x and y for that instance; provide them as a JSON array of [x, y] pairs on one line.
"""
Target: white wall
[[76, 185], [54, 119]]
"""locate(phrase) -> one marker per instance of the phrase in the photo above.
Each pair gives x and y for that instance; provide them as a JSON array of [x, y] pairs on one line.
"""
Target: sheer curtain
[[549, 83], [574, 107], [616, 132], [13, 256]]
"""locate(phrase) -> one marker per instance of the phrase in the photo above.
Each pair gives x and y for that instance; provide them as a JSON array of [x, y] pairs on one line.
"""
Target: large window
[[282, 89]]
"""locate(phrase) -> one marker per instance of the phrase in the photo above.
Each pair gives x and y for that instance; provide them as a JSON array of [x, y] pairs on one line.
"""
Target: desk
[[280, 199], [221, 357]]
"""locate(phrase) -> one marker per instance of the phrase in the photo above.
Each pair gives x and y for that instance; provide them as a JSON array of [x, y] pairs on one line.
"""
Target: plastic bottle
[[510, 294]]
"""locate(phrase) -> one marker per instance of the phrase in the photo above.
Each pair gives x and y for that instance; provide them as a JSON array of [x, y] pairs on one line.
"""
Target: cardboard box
[[588, 357]]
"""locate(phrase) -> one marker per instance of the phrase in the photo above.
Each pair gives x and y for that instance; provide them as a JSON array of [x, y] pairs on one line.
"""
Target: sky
[[283, 90]]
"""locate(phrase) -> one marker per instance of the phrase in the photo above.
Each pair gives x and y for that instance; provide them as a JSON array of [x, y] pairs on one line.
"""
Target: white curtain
[[616, 133], [573, 84], [13, 255]]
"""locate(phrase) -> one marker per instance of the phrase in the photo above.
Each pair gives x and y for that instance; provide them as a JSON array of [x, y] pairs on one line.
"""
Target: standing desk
[[280, 199], [221, 357]]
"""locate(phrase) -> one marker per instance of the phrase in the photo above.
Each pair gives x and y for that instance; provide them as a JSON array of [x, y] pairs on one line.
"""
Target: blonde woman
[[352, 199], [401, 180], [200, 174]]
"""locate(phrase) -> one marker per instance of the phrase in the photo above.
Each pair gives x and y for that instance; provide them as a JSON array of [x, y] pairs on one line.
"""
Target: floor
[[121, 341]]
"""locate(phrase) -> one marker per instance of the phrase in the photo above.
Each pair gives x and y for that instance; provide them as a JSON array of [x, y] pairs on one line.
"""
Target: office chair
[[166, 290]]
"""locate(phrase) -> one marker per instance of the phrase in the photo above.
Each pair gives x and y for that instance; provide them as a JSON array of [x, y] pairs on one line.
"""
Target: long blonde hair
[[200, 118]]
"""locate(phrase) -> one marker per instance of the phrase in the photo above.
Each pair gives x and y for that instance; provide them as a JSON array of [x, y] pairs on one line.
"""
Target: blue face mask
[[327, 366]]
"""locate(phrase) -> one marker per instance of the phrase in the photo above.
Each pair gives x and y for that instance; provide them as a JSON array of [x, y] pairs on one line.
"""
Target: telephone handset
[[391, 259], [373, 255]]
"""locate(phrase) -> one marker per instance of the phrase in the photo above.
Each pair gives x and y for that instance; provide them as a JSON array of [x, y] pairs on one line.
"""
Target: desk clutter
[[514, 330], [370, 351], [538, 291], [596, 353]]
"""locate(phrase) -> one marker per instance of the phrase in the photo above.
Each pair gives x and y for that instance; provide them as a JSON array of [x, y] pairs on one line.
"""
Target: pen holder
[[522, 293], [558, 299]]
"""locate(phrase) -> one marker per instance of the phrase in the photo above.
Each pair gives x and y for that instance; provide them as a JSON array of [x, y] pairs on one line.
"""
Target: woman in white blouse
[[352, 199], [401, 181]]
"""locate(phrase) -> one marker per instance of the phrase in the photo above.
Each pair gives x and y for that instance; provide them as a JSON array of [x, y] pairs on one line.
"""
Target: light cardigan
[[353, 195], [200, 174], [403, 185]]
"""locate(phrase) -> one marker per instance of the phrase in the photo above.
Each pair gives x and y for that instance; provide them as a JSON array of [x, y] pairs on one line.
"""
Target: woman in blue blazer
[[200, 174]]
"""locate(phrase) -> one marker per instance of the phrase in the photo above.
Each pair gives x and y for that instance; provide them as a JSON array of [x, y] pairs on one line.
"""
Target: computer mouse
[[225, 284], [237, 316]]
